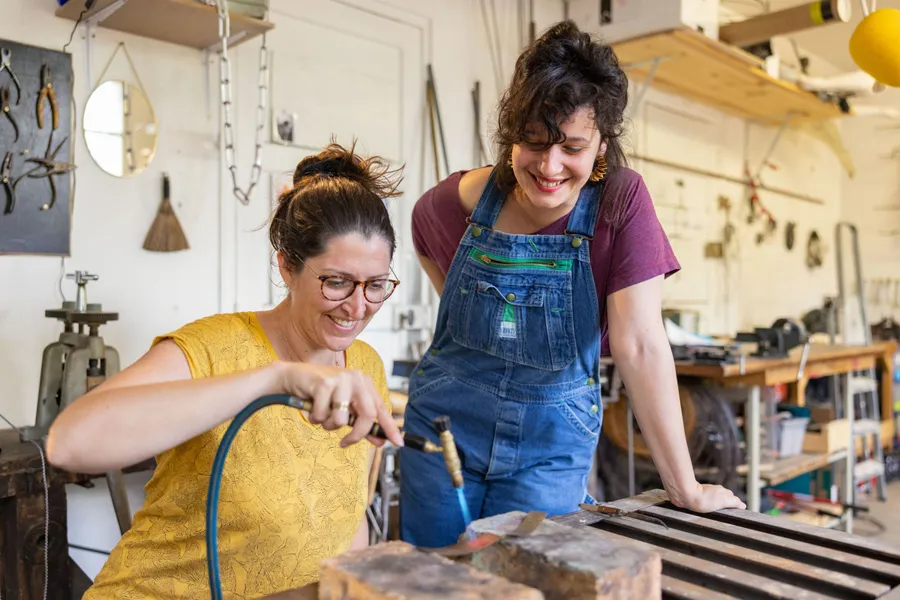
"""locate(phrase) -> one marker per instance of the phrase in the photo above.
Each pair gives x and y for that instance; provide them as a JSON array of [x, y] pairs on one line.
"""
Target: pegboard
[[34, 226]]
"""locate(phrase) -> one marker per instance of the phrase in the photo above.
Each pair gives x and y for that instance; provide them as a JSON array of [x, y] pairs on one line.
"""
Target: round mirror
[[120, 128]]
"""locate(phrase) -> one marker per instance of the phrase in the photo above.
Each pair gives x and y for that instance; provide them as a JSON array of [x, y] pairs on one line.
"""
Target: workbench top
[[818, 353], [22, 458]]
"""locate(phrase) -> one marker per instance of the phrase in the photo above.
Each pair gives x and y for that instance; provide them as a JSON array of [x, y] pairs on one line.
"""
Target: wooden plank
[[718, 75], [785, 469], [801, 532], [715, 575], [746, 559], [183, 22], [836, 560], [676, 589]]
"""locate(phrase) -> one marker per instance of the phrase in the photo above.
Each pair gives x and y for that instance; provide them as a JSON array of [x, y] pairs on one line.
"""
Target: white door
[[345, 71]]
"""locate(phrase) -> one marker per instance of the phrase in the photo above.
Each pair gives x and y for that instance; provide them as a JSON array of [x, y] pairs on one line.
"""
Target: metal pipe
[[722, 176], [785, 22]]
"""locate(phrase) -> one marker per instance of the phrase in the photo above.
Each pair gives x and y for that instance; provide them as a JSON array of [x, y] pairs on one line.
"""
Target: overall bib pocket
[[517, 309]]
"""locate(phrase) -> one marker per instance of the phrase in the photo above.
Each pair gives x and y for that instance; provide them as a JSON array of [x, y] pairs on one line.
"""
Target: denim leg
[[555, 461], [430, 512]]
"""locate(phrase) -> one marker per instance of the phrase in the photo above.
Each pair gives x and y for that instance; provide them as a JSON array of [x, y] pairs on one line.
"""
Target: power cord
[[46, 509]]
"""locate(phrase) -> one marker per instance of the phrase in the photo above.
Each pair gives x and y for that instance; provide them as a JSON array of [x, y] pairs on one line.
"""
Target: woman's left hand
[[706, 498]]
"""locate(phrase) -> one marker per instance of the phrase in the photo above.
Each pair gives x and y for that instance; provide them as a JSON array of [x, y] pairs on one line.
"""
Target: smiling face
[[335, 324], [554, 176]]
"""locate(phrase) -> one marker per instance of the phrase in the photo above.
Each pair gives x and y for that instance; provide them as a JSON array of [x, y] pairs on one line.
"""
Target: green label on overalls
[[508, 323]]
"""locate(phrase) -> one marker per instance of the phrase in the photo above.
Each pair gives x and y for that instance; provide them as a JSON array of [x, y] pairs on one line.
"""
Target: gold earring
[[509, 162], [599, 171]]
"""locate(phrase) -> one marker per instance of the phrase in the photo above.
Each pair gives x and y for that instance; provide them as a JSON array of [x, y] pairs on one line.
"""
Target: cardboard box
[[617, 20], [830, 437]]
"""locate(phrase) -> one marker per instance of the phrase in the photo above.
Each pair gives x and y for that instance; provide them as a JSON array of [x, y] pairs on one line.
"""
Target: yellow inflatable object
[[875, 46]]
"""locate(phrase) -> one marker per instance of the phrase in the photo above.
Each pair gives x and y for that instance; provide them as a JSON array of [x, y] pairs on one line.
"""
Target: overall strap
[[583, 218], [488, 208]]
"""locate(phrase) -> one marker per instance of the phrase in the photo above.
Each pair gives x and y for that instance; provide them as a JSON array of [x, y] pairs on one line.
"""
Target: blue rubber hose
[[215, 481]]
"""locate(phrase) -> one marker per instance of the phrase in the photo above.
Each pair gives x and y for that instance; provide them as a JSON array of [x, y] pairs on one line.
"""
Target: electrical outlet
[[411, 317]]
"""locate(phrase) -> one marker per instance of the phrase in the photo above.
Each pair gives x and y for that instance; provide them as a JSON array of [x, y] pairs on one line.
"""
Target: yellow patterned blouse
[[290, 495]]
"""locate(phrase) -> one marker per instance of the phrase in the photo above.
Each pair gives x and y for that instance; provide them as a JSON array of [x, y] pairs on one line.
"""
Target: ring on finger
[[342, 406]]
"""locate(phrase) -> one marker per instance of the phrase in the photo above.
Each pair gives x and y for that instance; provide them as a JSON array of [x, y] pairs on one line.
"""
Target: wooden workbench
[[822, 360], [729, 555], [736, 554], [22, 518]]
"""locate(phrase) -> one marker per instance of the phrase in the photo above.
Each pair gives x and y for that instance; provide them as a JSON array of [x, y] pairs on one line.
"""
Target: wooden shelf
[[716, 74], [182, 22], [784, 469]]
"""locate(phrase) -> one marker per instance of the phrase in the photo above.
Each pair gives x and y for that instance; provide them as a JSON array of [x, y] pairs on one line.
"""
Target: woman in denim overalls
[[515, 356]]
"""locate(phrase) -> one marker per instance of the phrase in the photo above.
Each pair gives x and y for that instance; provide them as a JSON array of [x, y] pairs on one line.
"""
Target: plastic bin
[[788, 435]]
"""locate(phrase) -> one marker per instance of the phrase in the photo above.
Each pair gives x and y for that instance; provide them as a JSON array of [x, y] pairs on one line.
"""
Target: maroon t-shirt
[[635, 251]]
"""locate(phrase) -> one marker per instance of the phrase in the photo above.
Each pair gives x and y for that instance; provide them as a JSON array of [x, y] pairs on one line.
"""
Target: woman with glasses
[[294, 490], [544, 262]]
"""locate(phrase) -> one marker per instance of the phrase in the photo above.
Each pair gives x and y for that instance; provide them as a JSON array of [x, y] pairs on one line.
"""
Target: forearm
[[116, 427], [648, 372]]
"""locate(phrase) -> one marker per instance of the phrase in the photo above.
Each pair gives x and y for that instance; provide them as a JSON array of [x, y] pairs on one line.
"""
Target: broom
[[166, 234]]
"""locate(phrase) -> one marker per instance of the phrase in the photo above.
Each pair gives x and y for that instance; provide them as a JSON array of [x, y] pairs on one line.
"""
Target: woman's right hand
[[335, 394]]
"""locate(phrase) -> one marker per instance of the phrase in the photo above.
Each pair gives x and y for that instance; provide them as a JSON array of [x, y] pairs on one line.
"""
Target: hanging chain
[[225, 82]]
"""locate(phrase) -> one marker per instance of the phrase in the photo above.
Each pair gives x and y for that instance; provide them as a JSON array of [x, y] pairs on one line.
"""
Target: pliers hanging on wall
[[45, 93], [5, 56], [49, 167], [8, 183], [5, 109]]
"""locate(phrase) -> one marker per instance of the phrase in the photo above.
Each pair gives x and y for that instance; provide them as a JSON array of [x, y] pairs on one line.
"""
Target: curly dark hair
[[335, 192], [562, 71]]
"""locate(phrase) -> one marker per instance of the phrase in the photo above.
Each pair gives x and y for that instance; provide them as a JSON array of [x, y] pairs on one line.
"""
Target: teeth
[[548, 184], [342, 322]]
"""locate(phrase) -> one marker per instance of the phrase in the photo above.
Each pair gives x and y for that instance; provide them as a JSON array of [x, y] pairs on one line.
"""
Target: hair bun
[[328, 164], [335, 161]]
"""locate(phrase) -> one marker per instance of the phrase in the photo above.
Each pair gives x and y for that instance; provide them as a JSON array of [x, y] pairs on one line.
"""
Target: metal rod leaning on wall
[[733, 179], [437, 113]]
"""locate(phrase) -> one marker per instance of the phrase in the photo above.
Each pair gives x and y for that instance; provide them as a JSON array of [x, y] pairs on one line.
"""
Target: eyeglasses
[[336, 288]]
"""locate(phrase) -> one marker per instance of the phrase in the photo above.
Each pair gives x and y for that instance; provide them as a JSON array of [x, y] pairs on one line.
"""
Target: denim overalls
[[514, 365]]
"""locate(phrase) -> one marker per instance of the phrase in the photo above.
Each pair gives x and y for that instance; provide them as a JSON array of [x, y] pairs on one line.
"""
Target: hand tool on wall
[[46, 93], [8, 184], [5, 56], [50, 168], [5, 108]]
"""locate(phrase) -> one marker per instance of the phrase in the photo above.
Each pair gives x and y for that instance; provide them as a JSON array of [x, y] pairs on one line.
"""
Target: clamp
[[5, 56], [47, 91], [8, 183], [5, 109]]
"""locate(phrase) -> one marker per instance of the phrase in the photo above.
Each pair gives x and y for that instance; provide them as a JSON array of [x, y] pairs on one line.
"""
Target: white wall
[[755, 283], [871, 201], [224, 269]]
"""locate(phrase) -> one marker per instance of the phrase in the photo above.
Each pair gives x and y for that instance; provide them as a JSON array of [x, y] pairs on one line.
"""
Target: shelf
[[774, 472], [183, 22], [696, 67]]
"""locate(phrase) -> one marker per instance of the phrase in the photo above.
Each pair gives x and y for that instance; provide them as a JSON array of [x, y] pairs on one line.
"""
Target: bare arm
[[643, 356], [434, 273], [154, 405]]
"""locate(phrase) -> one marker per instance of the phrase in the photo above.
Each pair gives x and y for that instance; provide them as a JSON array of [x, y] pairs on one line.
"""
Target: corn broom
[[166, 234]]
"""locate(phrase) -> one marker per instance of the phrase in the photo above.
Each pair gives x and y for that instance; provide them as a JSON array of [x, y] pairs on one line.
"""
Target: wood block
[[397, 571], [566, 563]]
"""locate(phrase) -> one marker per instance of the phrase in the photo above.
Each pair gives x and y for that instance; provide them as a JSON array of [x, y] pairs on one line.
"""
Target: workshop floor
[[884, 513]]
